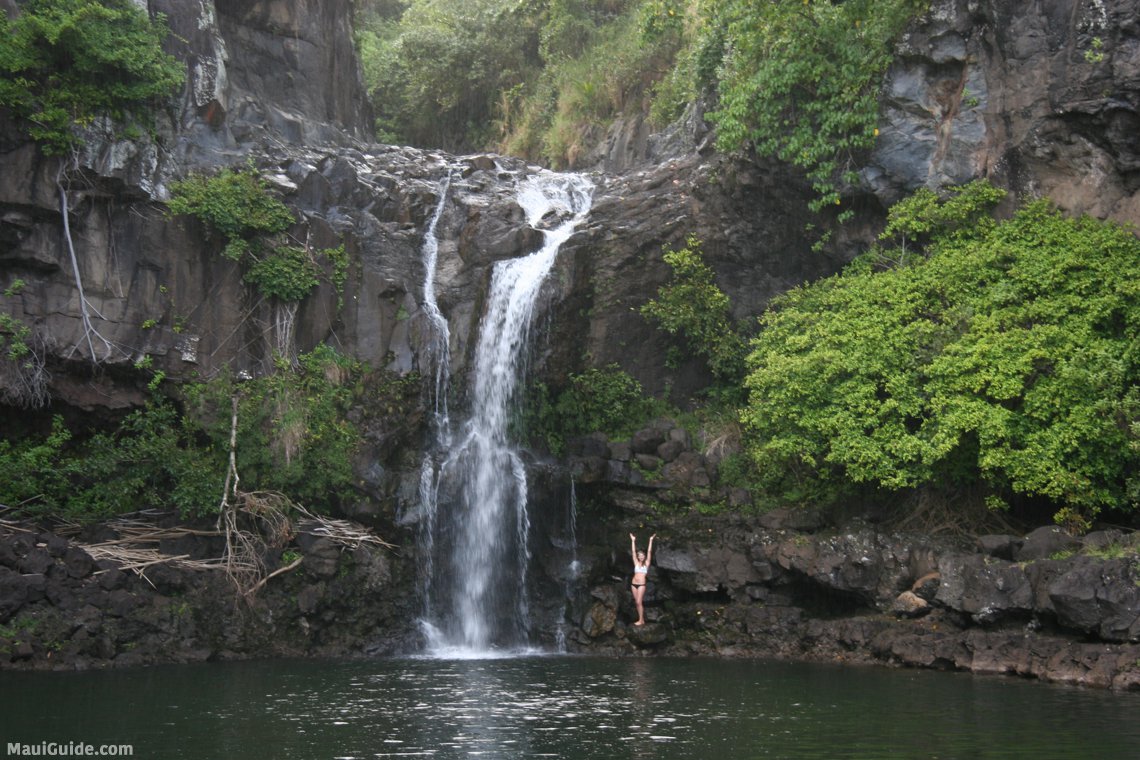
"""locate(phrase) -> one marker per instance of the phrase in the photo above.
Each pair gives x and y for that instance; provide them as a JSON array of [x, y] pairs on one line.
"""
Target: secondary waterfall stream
[[475, 502]]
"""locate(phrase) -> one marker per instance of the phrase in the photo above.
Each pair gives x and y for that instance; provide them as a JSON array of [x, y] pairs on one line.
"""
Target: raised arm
[[633, 548], [649, 551]]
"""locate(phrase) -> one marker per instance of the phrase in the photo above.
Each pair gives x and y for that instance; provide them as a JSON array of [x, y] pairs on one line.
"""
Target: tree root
[[90, 334]]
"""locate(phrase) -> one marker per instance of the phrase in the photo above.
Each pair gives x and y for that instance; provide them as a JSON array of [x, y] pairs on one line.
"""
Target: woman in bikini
[[641, 562]]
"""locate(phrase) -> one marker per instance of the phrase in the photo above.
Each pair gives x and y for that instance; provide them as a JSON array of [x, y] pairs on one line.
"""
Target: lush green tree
[[799, 79], [436, 75], [1004, 358], [65, 62], [693, 306]]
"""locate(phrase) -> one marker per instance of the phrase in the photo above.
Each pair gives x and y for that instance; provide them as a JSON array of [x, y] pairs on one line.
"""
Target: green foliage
[[799, 79], [28, 472], [606, 400], [542, 78], [530, 78], [294, 434], [64, 62], [435, 70], [693, 306], [235, 204], [14, 336], [340, 262], [1005, 359], [611, 77], [923, 215], [288, 273], [147, 462]]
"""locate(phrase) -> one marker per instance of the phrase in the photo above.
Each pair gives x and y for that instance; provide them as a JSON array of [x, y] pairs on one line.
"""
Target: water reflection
[[565, 707]]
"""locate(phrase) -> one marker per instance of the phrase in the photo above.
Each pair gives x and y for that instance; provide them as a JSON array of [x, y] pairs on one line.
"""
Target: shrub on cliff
[[1002, 358], [600, 400], [800, 80], [64, 62], [692, 305], [294, 436]]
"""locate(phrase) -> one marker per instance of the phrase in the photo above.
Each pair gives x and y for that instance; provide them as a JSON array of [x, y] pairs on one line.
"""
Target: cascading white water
[[489, 522], [439, 341], [438, 362], [572, 569]]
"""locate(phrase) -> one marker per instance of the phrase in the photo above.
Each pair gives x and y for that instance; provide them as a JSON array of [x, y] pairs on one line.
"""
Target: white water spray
[[439, 340], [437, 358], [490, 523]]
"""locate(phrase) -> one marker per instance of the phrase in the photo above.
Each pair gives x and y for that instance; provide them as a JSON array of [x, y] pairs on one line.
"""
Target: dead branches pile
[[343, 532], [255, 527]]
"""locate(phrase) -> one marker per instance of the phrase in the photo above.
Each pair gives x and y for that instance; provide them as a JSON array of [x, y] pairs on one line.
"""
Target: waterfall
[[573, 568], [439, 341], [438, 363], [487, 521]]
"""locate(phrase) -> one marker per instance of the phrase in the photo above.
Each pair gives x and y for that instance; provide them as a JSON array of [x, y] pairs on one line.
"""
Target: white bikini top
[[641, 569]]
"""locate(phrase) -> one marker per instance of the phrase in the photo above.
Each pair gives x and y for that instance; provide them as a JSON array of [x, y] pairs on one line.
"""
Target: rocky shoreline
[[1056, 609], [780, 585]]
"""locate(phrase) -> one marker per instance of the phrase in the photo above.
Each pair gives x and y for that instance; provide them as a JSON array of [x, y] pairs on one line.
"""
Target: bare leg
[[639, 602]]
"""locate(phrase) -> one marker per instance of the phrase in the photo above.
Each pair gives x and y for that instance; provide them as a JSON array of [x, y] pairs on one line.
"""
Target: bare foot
[[639, 623]]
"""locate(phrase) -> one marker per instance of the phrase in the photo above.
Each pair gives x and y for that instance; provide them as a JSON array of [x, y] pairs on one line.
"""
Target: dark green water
[[563, 707]]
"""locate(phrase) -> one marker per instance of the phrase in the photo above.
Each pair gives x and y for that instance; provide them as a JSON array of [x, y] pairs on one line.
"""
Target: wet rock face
[[260, 68], [1043, 98]]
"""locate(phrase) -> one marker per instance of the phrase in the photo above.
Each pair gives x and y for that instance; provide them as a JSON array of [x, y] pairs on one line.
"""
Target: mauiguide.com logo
[[69, 749]]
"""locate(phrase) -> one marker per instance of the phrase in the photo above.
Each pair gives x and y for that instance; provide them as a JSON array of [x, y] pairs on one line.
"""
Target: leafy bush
[[29, 474], [693, 306], [799, 80], [293, 434], [606, 400], [1003, 359], [288, 273], [64, 62], [235, 204], [147, 462]]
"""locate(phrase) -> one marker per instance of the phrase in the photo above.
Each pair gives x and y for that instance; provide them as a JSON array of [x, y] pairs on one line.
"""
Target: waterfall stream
[[438, 363], [481, 525]]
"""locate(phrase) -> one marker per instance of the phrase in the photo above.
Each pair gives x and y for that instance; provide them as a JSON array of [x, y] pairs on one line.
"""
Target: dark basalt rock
[[990, 88]]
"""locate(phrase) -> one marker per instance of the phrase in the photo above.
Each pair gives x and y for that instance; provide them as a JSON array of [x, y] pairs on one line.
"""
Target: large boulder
[[988, 590], [1099, 597], [715, 569]]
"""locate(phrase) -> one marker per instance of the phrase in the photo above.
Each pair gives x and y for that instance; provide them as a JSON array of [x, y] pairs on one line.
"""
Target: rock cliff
[[1043, 99]]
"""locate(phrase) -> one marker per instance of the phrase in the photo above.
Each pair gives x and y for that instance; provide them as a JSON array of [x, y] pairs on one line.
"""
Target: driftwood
[[259, 524], [343, 532]]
